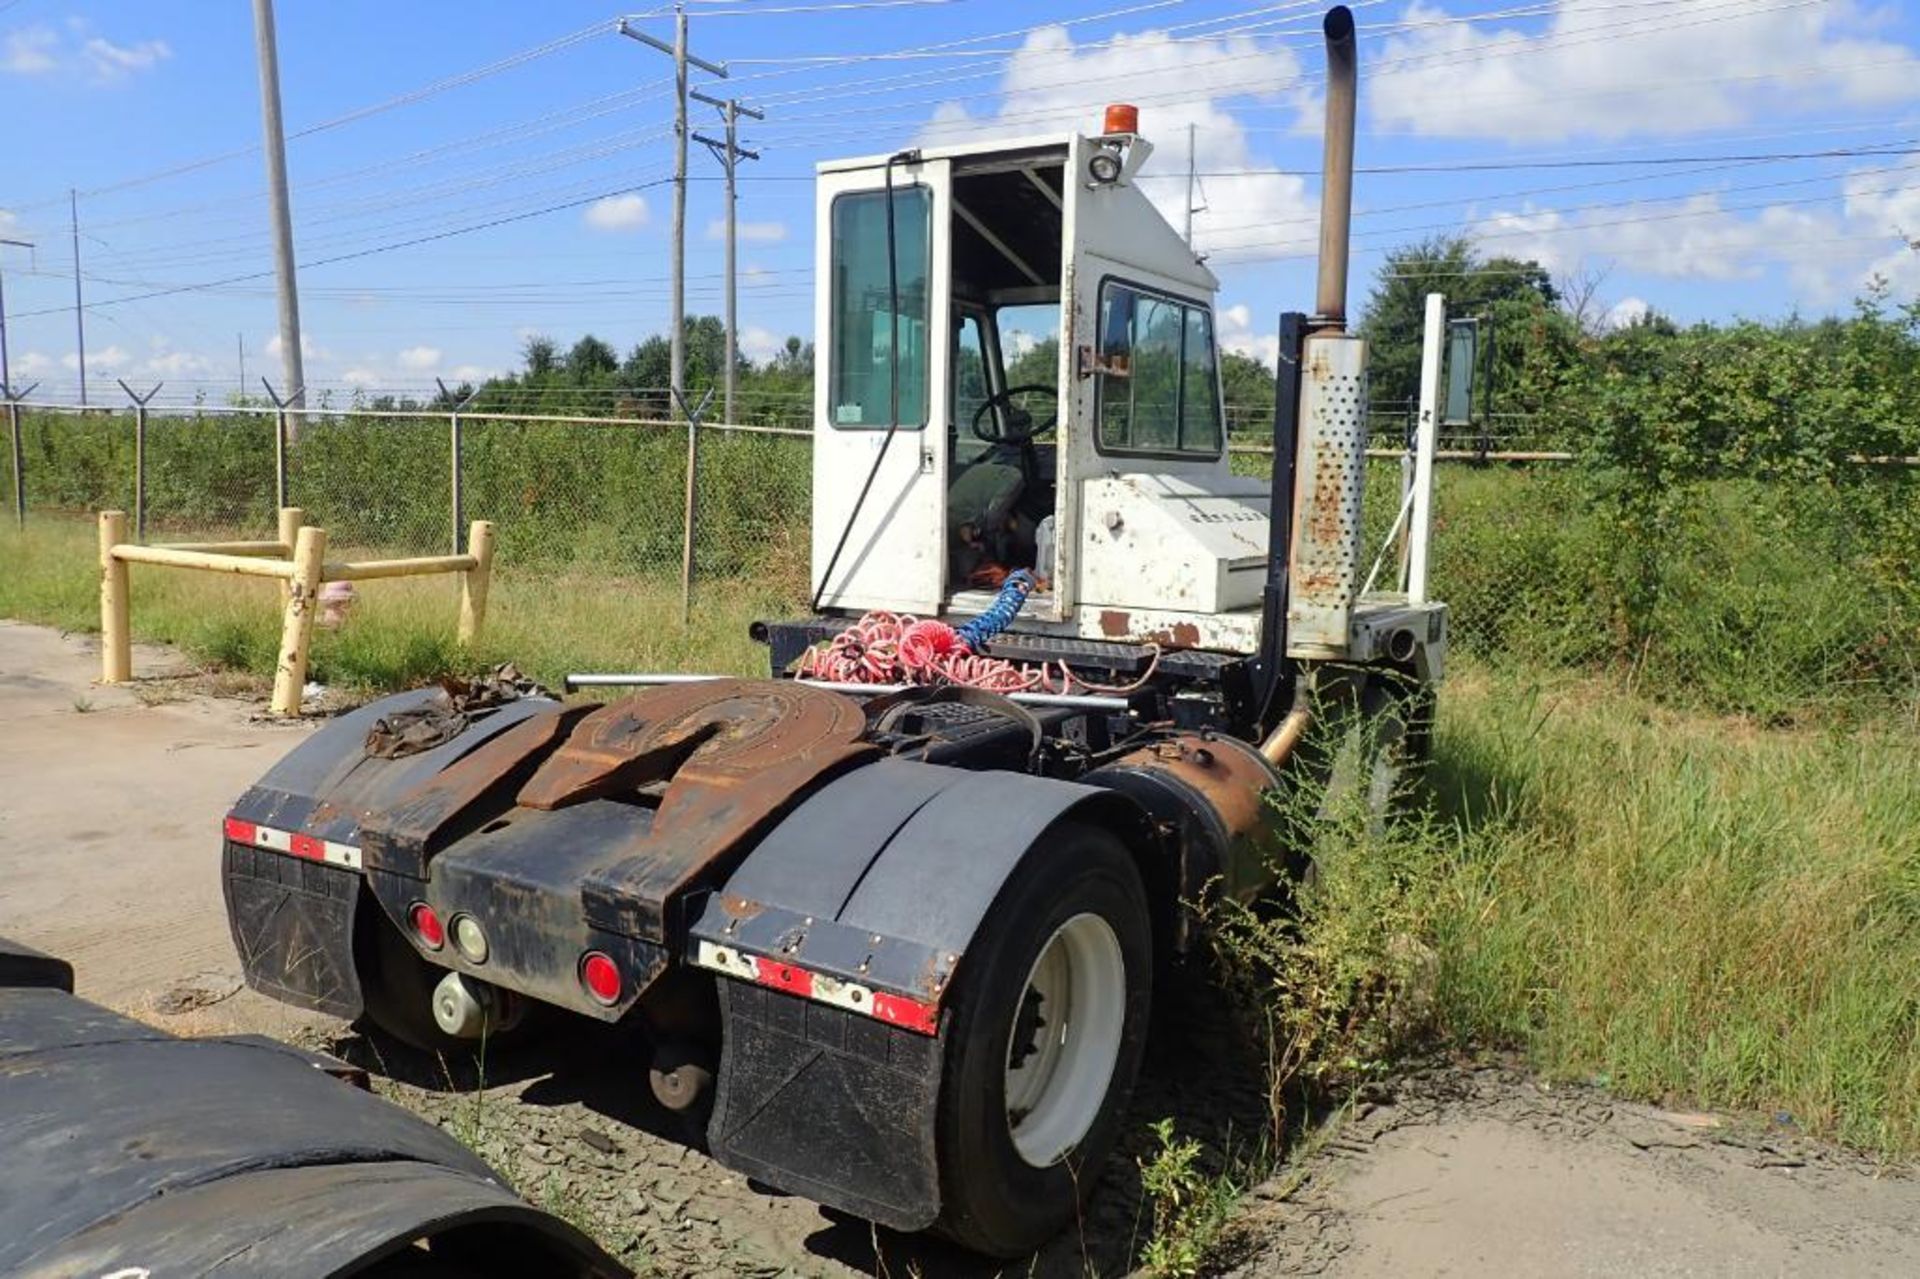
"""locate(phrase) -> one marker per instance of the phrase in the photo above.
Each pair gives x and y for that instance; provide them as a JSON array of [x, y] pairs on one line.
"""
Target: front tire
[[1044, 1043]]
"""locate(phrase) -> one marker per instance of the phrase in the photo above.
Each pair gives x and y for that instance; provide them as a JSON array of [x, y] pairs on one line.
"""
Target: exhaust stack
[[1330, 456], [1336, 170]]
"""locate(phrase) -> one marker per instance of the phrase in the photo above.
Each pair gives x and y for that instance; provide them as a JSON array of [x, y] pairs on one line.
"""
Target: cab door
[[888, 548]]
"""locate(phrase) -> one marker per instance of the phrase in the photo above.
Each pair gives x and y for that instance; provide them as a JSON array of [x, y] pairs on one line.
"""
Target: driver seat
[[984, 522]]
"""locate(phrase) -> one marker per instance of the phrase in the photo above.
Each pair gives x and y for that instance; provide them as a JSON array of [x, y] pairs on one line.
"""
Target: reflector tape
[[293, 843], [898, 1010]]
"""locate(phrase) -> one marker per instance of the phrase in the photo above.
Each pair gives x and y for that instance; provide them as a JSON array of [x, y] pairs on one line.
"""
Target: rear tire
[[1044, 1042]]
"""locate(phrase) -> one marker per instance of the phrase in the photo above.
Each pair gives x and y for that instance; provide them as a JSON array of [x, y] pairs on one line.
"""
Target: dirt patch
[[1490, 1173]]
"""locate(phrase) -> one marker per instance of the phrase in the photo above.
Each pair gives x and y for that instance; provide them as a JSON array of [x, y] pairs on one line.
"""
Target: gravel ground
[[572, 1124]]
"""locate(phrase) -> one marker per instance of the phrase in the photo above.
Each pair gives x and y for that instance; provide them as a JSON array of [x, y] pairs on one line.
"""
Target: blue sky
[[416, 123]]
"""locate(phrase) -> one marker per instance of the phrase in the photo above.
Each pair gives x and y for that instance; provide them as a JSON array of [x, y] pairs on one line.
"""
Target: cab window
[[1159, 387], [860, 376]]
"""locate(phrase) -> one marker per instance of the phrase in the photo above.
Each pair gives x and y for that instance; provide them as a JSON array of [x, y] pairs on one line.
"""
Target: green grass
[[1686, 908], [1682, 905], [401, 632]]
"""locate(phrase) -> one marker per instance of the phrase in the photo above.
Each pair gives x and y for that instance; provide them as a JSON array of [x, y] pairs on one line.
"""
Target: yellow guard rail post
[[298, 560]]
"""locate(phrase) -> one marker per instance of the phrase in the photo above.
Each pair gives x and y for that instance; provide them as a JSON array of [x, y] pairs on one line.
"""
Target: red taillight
[[601, 976], [241, 832], [427, 926]]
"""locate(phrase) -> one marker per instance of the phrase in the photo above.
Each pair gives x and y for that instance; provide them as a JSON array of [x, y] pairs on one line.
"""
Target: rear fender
[[294, 916], [849, 924]]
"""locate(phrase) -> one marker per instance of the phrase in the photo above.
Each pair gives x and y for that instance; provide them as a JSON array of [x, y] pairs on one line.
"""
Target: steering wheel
[[1020, 425]]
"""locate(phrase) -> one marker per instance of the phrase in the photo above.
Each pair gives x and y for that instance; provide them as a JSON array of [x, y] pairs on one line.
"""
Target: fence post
[[116, 645], [296, 630], [693, 472], [453, 427], [1420, 526], [280, 441], [13, 398], [475, 581], [139, 456]]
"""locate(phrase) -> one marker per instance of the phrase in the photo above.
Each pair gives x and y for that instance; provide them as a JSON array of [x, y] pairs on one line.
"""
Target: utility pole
[[275, 146], [729, 153], [6, 373], [240, 342], [79, 308], [677, 340]]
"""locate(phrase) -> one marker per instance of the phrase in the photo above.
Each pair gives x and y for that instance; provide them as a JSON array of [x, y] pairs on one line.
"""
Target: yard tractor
[[892, 918]]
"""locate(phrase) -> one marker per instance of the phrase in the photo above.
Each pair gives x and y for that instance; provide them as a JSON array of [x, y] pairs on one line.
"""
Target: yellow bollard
[[291, 518], [296, 633], [475, 581], [116, 639]]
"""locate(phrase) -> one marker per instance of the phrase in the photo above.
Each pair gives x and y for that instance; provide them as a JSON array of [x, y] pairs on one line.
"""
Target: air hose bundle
[[894, 648]]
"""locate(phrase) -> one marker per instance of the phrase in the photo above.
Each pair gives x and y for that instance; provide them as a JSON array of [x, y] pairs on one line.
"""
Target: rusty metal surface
[[732, 754], [398, 837], [1326, 559], [1208, 795]]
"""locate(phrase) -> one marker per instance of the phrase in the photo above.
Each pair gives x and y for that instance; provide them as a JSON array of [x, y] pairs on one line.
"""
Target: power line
[[361, 253], [408, 98]]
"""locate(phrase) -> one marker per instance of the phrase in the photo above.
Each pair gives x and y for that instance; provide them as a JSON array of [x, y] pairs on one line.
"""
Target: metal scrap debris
[[444, 716]]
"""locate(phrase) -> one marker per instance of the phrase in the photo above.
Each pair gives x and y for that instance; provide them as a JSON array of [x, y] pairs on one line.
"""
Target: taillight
[[601, 976], [469, 939], [427, 926]]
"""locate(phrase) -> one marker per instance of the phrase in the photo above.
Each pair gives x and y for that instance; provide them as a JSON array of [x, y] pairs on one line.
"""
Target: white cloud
[[472, 373], [760, 345], [1876, 210], [102, 360], [1627, 311], [309, 349], [1590, 72], [1826, 255], [1237, 335], [32, 364], [111, 61], [617, 213], [176, 364], [30, 51], [1053, 85], [748, 232], [40, 49], [361, 376], [420, 359]]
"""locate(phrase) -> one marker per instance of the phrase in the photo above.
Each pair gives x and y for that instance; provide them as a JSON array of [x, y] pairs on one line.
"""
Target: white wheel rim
[[1065, 1039]]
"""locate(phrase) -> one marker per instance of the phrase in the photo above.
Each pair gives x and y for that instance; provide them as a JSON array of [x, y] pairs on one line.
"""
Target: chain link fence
[[565, 494], [1761, 594]]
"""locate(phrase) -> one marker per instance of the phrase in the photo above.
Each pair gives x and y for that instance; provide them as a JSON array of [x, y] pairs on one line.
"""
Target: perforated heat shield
[[1329, 484]]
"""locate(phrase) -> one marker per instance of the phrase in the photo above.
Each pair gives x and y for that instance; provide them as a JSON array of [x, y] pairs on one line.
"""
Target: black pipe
[[1272, 670]]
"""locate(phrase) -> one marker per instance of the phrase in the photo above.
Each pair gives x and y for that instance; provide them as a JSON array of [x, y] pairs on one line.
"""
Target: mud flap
[[872, 888], [829, 1104], [293, 925]]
